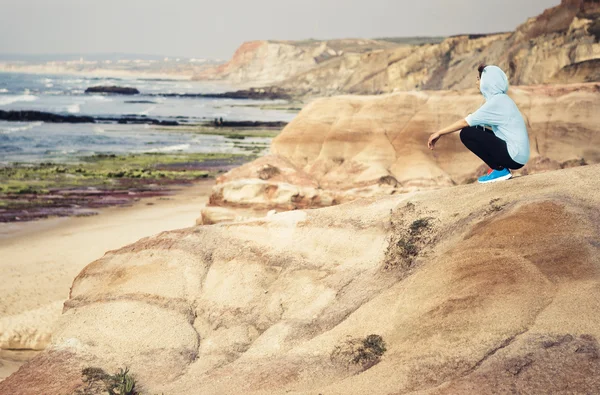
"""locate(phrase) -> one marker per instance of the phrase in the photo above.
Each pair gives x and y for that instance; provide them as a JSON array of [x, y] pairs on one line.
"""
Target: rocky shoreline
[[117, 90], [270, 93], [35, 116]]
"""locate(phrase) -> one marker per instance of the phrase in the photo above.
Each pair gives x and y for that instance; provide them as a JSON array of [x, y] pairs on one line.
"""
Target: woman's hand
[[455, 127], [433, 139]]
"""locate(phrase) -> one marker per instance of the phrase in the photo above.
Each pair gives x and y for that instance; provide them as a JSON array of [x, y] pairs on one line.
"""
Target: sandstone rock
[[473, 289], [266, 62], [585, 71], [31, 330], [214, 215], [553, 47], [342, 148]]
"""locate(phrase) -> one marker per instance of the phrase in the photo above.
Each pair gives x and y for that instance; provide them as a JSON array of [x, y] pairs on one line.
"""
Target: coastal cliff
[[267, 62], [559, 46], [542, 50]]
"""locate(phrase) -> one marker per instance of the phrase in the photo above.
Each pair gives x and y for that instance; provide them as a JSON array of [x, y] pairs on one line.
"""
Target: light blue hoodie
[[501, 113]]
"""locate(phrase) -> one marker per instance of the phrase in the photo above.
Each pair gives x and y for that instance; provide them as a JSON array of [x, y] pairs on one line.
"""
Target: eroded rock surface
[[347, 147], [559, 46], [472, 288]]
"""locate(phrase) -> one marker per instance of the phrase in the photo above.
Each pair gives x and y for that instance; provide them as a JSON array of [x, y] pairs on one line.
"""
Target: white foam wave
[[171, 148], [12, 129], [68, 151], [73, 109], [5, 100], [49, 85], [98, 129], [3, 90], [100, 98], [148, 111]]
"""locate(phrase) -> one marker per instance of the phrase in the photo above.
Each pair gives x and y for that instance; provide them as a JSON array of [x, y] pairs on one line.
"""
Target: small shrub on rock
[[360, 353], [97, 380], [405, 242]]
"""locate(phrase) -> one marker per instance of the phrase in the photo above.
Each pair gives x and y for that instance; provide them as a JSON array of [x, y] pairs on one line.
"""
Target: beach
[[41, 258], [73, 187]]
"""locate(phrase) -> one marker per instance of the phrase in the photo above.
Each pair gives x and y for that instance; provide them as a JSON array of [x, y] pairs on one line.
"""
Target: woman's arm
[[456, 126]]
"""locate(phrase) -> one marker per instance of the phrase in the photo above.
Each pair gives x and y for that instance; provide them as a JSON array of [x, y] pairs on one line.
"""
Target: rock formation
[[560, 46], [267, 62], [470, 289], [117, 90], [32, 116], [271, 93], [542, 50], [342, 148]]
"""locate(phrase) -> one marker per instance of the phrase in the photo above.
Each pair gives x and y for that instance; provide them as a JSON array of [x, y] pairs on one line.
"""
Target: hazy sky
[[215, 28]]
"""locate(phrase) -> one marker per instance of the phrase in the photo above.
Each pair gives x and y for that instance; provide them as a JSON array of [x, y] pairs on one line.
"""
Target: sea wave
[[99, 98], [12, 129], [170, 148], [61, 152], [5, 100], [3, 90], [53, 93], [76, 81], [73, 109], [148, 111]]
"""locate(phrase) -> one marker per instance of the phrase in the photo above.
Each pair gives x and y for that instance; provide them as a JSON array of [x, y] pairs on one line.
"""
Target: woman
[[506, 145]]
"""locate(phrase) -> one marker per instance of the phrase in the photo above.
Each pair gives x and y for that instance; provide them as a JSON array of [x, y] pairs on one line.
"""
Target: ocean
[[34, 142]]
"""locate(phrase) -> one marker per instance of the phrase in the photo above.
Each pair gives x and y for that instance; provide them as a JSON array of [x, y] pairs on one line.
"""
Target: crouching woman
[[496, 133]]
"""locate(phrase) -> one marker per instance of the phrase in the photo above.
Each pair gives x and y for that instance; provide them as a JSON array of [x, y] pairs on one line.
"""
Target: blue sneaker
[[495, 175]]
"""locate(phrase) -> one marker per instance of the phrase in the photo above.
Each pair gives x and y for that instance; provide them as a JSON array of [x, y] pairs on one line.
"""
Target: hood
[[493, 82]]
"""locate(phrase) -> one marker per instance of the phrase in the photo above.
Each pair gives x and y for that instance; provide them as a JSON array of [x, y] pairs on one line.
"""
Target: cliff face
[[544, 49], [449, 64], [465, 290], [562, 36], [343, 148], [266, 62]]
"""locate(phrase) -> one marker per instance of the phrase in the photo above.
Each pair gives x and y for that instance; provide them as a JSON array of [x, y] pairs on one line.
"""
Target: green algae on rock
[[32, 191]]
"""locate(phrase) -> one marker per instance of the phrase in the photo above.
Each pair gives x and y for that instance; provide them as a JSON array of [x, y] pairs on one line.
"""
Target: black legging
[[491, 149]]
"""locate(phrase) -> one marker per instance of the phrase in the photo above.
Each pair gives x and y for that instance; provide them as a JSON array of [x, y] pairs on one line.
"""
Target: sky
[[215, 28]]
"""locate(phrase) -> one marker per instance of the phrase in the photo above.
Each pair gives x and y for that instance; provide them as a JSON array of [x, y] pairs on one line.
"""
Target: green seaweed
[[224, 131], [24, 186]]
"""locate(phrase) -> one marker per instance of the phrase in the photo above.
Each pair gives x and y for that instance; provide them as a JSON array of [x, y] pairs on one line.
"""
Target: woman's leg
[[489, 148]]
